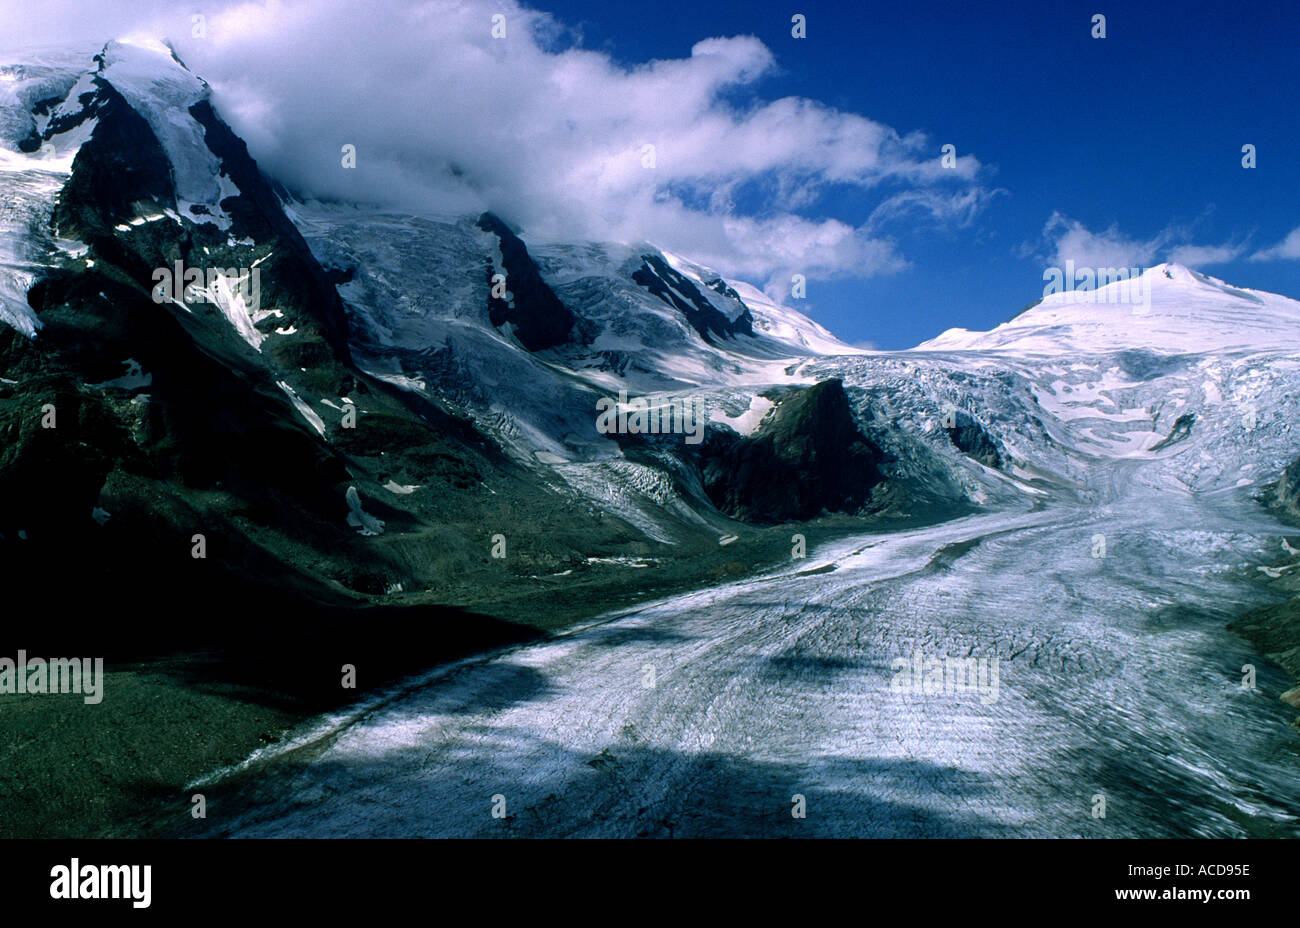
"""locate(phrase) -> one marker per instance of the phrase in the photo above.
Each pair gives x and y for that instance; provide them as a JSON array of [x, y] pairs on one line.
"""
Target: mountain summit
[[1168, 308]]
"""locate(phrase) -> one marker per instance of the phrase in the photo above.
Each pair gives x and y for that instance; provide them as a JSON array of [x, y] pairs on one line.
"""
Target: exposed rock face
[[1288, 490], [258, 213], [122, 171], [119, 165], [540, 320], [1275, 629], [1182, 428], [970, 439], [677, 291], [806, 458]]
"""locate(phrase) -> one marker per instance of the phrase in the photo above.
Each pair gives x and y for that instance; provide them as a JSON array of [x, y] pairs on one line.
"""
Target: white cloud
[[1286, 250], [957, 209], [1070, 240], [1073, 241], [550, 135], [1205, 255]]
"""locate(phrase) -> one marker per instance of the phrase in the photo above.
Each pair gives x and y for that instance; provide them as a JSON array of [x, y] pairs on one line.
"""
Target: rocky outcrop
[[1275, 629], [1287, 493], [969, 437], [657, 276], [807, 457], [539, 319], [1182, 428], [292, 275], [122, 173]]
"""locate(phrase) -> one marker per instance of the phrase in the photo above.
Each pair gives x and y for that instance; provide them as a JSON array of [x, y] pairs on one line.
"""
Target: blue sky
[[1136, 138]]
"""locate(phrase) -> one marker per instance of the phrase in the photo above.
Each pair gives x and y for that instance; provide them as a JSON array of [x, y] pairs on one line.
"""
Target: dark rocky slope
[[1275, 629], [539, 319], [1287, 493], [807, 457], [969, 437], [677, 291]]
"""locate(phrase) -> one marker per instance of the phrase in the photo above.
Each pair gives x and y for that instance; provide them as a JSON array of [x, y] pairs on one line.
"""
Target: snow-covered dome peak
[[1169, 308]]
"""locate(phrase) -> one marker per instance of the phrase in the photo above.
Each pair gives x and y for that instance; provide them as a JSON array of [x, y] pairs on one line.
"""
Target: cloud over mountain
[[1066, 239], [552, 136], [1286, 250]]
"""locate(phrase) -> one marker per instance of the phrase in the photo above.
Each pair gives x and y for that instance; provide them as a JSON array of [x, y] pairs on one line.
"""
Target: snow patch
[[304, 410], [358, 518]]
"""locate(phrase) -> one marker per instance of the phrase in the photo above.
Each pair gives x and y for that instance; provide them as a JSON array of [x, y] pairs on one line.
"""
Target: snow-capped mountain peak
[[1168, 308], [160, 88]]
